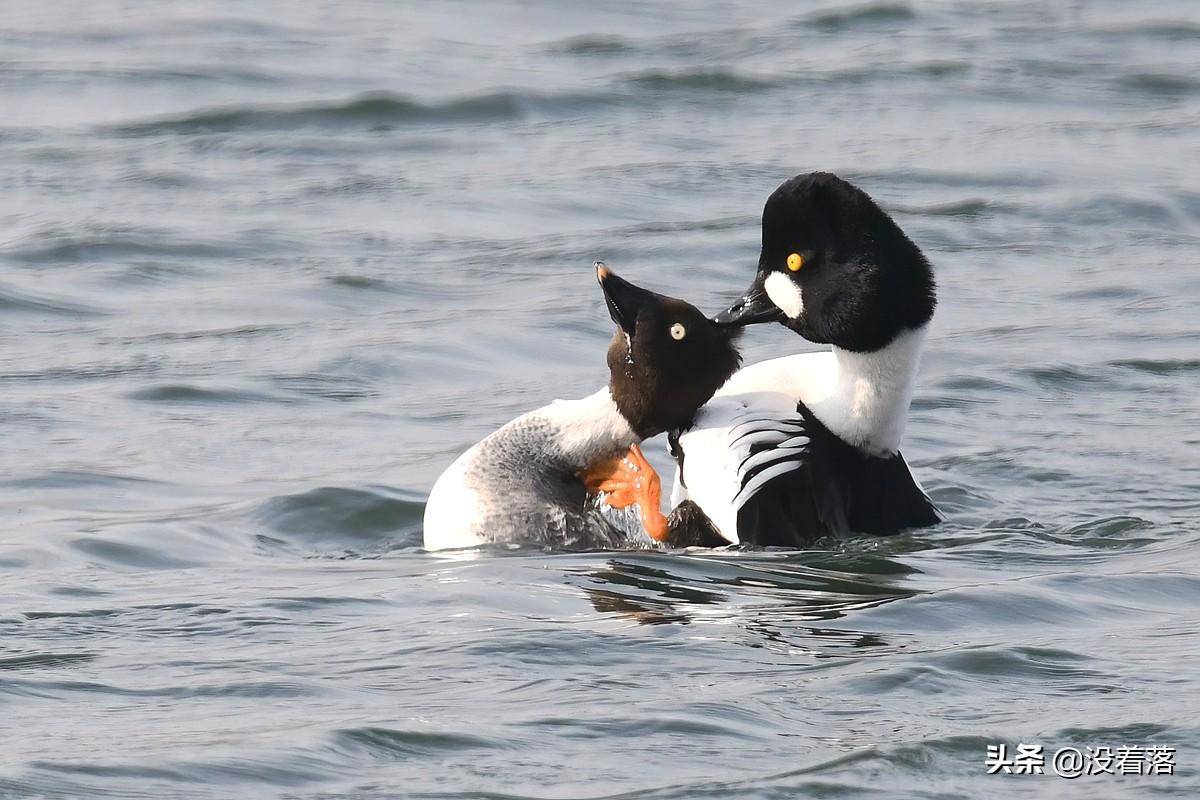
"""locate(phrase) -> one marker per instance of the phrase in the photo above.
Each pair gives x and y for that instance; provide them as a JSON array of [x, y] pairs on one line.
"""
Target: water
[[266, 269]]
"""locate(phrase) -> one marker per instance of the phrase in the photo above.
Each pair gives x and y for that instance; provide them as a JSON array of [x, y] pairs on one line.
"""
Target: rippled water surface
[[265, 269]]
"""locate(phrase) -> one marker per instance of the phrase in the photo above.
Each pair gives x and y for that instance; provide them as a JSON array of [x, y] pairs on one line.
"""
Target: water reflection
[[760, 599]]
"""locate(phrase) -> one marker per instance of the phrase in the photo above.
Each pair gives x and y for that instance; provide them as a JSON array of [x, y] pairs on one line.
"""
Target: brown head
[[666, 358]]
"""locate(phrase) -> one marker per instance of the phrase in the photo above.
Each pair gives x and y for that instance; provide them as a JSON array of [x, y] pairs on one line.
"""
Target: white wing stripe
[[760, 480], [761, 437], [766, 424], [762, 458]]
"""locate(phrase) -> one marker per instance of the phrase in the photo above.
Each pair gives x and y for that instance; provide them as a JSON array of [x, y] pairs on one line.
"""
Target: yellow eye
[[678, 331], [795, 262]]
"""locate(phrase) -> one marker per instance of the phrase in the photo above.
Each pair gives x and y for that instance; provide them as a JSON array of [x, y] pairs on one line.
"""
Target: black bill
[[625, 301], [751, 308]]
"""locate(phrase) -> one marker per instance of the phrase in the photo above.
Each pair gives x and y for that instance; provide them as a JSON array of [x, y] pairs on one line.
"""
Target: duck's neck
[[868, 394], [590, 429]]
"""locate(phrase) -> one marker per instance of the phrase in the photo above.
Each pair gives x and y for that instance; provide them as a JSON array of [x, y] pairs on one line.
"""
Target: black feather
[[837, 490]]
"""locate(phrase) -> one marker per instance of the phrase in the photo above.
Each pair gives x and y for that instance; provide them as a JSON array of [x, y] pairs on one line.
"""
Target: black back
[[837, 490]]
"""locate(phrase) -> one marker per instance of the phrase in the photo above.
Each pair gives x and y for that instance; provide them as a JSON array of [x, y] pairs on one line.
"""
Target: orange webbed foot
[[630, 480], [615, 478]]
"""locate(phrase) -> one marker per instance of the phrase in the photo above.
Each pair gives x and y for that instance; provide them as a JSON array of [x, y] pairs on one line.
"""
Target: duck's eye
[[795, 261], [678, 331]]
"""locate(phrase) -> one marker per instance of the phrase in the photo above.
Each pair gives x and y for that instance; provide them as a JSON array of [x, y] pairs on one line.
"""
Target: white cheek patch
[[784, 294]]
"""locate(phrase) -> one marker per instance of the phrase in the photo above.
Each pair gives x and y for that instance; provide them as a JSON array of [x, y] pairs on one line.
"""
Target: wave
[[717, 224], [87, 372], [968, 207], [372, 109], [13, 301], [78, 479], [99, 243], [388, 743], [333, 518], [363, 283], [1159, 84], [43, 660], [135, 555], [860, 16], [387, 109], [141, 75], [1163, 366], [702, 79], [1169, 30], [177, 393], [83, 775], [591, 45], [975, 180]]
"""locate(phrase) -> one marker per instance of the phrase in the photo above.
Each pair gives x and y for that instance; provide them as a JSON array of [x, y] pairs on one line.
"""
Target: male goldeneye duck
[[797, 448], [534, 480]]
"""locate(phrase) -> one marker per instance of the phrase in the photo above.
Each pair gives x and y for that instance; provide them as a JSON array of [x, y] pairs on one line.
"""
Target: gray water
[[265, 269]]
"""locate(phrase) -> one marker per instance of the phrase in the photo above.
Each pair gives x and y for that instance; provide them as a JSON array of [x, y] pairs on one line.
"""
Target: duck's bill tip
[[752, 308], [625, 300]]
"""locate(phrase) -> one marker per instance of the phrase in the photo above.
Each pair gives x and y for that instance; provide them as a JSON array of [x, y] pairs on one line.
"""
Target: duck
[[795, 449], [551, 476]]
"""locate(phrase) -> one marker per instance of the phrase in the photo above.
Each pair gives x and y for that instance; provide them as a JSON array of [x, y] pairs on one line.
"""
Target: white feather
[[784, 427], [785, 294], [679, 492], [453, 511], [763, 457], [712, 458], [588, 425], [761, 480], [758, 437]]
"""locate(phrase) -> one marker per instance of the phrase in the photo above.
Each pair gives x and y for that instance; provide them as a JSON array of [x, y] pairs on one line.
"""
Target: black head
[[835, 268], [666, 358]]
